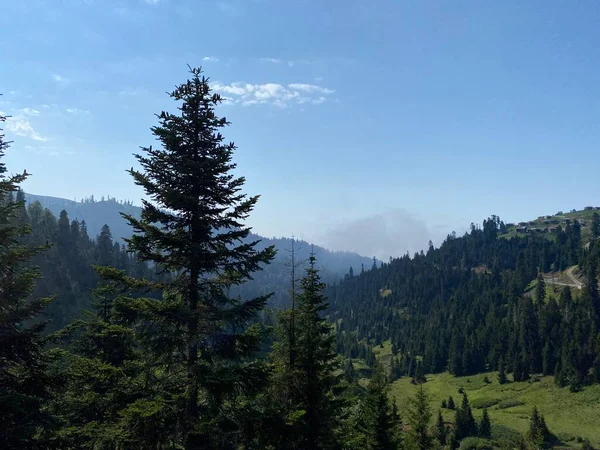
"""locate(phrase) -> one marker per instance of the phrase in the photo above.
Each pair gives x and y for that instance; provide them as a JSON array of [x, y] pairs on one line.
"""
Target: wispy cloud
[[274, 94], [30, 112], [153, 2], [289, 63], [60, 79], [298, 62], [270, 60], [20, 125], [310, 88], [77, 111], [210, 59]]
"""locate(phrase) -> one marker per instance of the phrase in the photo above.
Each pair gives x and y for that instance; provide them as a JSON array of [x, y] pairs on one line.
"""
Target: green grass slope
[[568, 415]]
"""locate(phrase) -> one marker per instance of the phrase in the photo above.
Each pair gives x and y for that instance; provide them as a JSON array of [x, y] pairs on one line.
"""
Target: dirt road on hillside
[[571, 279]]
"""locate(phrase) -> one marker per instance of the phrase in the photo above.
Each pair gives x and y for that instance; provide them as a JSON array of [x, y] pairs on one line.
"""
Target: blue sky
[[371, 126]]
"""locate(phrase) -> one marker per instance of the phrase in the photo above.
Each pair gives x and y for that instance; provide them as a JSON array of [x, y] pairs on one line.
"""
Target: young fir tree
[[316, 362], [538, 434], [540, 291], [192, 226], [419, 415], [379, 425], [440, 429], [22, 357], [485, 426], [451, 404], [284, 398], [465, 424]]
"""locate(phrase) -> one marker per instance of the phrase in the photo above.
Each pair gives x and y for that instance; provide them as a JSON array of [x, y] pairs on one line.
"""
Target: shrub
[[586, 445], [510, 403], [481, 403], [473, 443]]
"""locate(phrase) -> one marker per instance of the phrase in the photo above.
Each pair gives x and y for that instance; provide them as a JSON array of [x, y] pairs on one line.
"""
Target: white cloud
[[289, 63], [270, 60], [210, 59], [20, 125], [274, 93], [153, 2], [30, 112], [60, 79], [310, 88], [77, 111]]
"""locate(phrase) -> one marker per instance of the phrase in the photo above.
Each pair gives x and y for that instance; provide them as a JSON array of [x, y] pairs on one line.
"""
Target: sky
[[366, 126]]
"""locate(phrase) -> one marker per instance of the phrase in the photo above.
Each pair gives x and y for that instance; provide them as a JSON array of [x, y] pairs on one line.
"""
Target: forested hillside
[[67, 266], [462, 308], [274, 278]]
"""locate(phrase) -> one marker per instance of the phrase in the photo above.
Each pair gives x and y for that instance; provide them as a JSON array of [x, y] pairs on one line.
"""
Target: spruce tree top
[[195, 210]]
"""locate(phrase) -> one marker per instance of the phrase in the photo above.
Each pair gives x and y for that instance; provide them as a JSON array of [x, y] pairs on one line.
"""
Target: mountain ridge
[[273, 278]]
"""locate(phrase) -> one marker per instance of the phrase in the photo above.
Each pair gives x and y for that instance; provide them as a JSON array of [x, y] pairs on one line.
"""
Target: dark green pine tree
[[316, 363], [22, 356], [540, 291], [441, 430], [419, 376], [591, 295], [538, 434], [419, 415], [192, 225], [465, 424], [107, 381], [485, 426], [501, 371], [104, 247], [350, 373], [596, 225], [451, 404], [379, 425]]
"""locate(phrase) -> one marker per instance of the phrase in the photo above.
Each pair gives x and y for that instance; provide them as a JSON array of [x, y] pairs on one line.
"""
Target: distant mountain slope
[[275, 278], [95, 213]]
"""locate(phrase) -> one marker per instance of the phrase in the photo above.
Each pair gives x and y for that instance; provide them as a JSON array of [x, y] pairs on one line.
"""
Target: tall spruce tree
[[380, 426], [316, 362], [192, 225], [23, 380], [419, 415]]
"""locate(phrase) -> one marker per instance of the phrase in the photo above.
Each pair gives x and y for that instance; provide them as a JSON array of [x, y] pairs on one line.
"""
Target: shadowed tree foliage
[[23, 379]]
